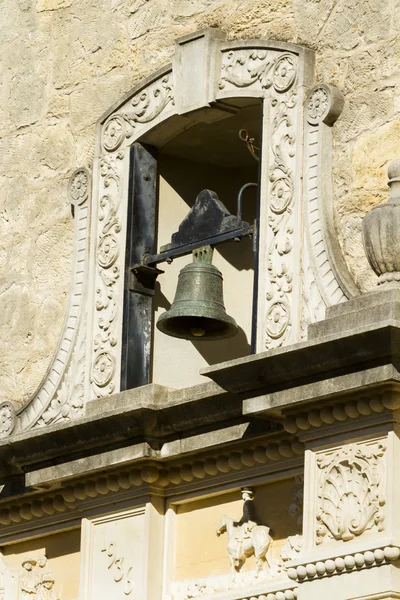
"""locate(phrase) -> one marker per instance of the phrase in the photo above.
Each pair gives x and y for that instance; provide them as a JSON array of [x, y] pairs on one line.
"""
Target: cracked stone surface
[[64, 62]]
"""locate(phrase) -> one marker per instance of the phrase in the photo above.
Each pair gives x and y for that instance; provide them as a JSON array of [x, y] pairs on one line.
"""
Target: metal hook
[[240, 195], [244, 136]]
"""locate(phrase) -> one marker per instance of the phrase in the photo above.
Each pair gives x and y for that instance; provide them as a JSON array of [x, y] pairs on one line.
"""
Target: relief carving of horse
[[243, 543]]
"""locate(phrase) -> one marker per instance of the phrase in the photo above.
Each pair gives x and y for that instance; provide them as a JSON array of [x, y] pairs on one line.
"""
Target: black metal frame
[[139, 283]]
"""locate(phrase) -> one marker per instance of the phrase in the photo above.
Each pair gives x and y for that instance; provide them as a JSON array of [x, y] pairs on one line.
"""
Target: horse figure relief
[[246, 538]]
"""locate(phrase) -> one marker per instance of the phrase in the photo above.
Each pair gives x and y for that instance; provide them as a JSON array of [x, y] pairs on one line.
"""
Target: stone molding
[[340, 412], [326, 279], [285, 593], [289, 594], [151, 473], [60, 396], [344, 563]]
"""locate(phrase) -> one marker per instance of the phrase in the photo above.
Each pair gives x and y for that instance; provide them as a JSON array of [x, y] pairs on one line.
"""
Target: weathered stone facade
[[65, 62], [167, 462]]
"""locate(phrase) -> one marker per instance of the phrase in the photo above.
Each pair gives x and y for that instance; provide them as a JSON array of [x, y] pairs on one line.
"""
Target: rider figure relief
[[246, 538], [248, 520]]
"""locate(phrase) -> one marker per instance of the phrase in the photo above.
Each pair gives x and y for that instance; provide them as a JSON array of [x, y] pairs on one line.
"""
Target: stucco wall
[[64, 62]]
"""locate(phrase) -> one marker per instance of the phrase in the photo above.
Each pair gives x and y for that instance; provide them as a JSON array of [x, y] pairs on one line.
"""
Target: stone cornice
[[308, 362], [152, 413], [344, 563], [159, 476], [362, 406]]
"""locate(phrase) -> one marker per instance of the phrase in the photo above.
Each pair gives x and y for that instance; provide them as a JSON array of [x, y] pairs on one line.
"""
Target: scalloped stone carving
[[351, 491]]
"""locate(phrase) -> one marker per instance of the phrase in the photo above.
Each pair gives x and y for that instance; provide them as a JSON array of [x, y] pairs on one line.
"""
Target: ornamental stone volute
[[380, 232]]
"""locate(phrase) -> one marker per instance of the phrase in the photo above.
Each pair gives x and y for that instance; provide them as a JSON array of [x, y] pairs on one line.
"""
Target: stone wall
[[64, 62]]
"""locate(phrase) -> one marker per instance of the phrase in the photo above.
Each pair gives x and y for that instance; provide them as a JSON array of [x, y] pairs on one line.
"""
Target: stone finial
[[381, 228]]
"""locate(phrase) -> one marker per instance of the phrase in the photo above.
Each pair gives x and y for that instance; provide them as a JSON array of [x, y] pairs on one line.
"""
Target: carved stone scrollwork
[[324, 104], [108, 268], [281, 222], [113, 133], [351, 491], [149, 104], [143, 108], [61, 394], [243, 68], [7, 419]]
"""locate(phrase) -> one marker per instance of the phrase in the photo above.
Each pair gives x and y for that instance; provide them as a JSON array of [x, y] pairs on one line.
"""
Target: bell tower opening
[[209, 154]]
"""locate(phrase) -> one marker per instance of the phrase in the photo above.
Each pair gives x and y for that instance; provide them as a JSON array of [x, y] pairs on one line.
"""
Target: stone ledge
[[61, 492], [360, 406], [344, 563], [310, 361], [152, 414]]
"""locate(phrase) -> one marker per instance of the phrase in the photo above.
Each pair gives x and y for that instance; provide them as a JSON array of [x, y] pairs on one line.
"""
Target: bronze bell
[[198, 311]]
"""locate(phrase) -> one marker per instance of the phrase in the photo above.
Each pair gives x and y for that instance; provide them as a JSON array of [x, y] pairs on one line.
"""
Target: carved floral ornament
[[143, 108], [243, 68], [281, 221], [351, 492], [324, 104], [79, 186]]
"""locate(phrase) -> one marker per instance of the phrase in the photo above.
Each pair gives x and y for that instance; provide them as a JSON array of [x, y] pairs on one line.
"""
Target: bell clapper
[[197, 331]]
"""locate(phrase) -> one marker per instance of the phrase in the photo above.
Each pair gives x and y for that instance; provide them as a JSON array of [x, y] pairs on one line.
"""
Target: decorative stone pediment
[[301, 269]]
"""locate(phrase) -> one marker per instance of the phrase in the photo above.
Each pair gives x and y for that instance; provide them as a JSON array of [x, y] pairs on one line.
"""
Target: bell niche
[[192, 253]]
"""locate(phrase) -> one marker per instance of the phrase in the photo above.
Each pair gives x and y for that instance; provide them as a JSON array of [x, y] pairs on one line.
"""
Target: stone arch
[[301, 268]]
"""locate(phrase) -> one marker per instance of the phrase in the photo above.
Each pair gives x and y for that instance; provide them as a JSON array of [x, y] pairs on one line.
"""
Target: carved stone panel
[[283, 214], [351, 491], [113, 563], [36, 580], [258, 68]]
